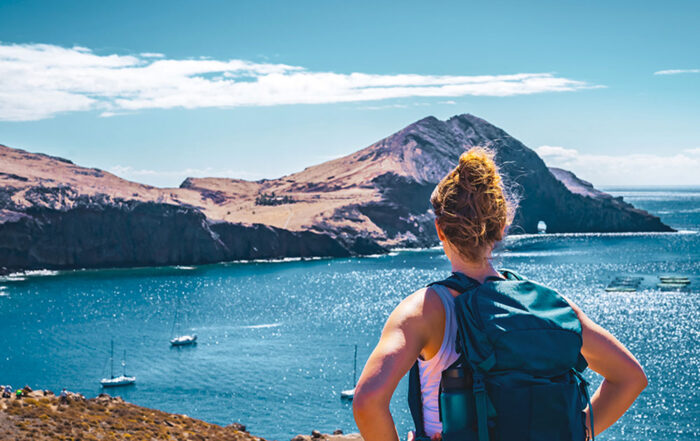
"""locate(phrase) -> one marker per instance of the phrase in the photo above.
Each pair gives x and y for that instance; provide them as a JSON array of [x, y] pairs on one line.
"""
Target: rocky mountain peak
[[427, 149]]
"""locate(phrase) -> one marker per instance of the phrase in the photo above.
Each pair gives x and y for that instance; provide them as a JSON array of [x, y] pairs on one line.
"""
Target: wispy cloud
[[633, 169], [404, 105], [39, 81], [676, 71]]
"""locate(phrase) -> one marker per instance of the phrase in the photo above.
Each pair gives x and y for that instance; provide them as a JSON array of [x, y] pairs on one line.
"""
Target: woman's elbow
[[641, 380], [366, 402], [634, 379]]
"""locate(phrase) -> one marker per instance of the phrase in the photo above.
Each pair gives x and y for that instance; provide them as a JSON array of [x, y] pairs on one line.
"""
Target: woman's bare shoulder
[[422, 307]]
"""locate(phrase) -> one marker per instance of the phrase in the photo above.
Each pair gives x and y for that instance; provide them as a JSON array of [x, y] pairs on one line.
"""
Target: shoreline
[[21, 275]]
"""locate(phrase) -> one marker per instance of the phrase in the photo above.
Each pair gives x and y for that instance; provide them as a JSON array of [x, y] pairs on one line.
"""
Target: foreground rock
[[57, 215], [47, 418], [318, 436]]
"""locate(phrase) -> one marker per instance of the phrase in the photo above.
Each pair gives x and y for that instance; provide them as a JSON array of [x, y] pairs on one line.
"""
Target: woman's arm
[[404, 336], [624, 378]]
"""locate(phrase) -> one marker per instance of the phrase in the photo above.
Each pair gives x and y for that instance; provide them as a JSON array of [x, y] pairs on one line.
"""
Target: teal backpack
[[518, 377]]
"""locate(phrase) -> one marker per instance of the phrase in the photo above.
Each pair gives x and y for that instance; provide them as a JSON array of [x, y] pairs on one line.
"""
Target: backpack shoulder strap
[[457, 281], [461, 283], [415, 401]]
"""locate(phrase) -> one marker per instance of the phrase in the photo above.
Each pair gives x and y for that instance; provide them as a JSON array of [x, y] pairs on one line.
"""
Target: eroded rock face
[[55, 214], [118, 234], [132, 233]]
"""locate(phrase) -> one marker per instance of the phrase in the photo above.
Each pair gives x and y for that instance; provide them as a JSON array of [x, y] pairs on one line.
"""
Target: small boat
[[624, 284], [122, 380], [349, 394], [675, 279], [541, 227], [181, 340], [673, 283], [184, 340]]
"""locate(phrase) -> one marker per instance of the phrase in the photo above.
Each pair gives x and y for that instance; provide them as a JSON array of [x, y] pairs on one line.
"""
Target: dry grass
[[44, 418]]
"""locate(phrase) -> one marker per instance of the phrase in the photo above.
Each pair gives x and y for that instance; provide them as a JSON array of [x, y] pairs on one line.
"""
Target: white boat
[[624, 284], [181, 340], [122, 380], [184, 340], [675, 279], [350, 393]]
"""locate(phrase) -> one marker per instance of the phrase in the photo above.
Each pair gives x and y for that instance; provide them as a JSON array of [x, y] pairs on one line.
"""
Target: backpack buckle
[[478, 385]]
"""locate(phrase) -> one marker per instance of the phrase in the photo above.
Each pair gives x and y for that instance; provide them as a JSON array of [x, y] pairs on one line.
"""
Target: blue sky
[[157, 91]]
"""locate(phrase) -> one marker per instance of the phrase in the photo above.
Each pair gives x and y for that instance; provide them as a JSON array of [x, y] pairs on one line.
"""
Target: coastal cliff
[[57, 215], [42, 416]]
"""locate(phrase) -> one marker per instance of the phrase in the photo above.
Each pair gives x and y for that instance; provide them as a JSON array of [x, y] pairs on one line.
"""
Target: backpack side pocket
[[457, 407]]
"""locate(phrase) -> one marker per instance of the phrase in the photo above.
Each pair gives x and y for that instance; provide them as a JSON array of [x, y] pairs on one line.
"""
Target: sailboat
[[182, 340], [122, 380], [350, 393]]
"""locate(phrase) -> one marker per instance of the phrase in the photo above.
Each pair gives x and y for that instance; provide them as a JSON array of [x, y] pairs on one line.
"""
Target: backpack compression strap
[[415, 401]]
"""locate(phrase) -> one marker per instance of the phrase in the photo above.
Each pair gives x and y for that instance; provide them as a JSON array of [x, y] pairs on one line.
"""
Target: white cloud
[[633, 169], [557, 153], [39, 80], [676, 71]]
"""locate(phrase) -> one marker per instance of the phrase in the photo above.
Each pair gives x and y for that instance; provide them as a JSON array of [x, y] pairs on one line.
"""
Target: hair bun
[[471, 205], [477, 170]]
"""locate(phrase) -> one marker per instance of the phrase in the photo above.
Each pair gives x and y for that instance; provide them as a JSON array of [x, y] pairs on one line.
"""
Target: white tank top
[[431, 370]]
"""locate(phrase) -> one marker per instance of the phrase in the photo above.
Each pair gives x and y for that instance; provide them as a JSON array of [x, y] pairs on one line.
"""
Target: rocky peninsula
[[57, 215], [43, 416]]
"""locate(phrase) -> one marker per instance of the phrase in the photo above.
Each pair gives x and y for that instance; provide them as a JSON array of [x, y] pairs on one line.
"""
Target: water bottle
[[457, 408]]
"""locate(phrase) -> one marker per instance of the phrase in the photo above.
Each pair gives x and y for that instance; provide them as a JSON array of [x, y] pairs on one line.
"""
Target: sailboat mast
[[177, 307], [111, 360], [124, 362], [354, 370]]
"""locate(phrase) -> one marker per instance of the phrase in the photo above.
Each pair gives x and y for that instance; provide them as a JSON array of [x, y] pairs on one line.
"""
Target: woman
[[472, 213]]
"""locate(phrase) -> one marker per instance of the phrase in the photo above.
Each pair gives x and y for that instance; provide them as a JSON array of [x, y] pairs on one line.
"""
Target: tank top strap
[[448, 300], [430, 371], [449, 332]]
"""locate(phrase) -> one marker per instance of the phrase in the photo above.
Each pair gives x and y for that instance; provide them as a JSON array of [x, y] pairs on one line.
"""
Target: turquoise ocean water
[[276, 338]]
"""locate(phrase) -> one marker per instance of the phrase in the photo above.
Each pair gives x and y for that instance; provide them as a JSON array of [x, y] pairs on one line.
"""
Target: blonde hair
[[472, 206]]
